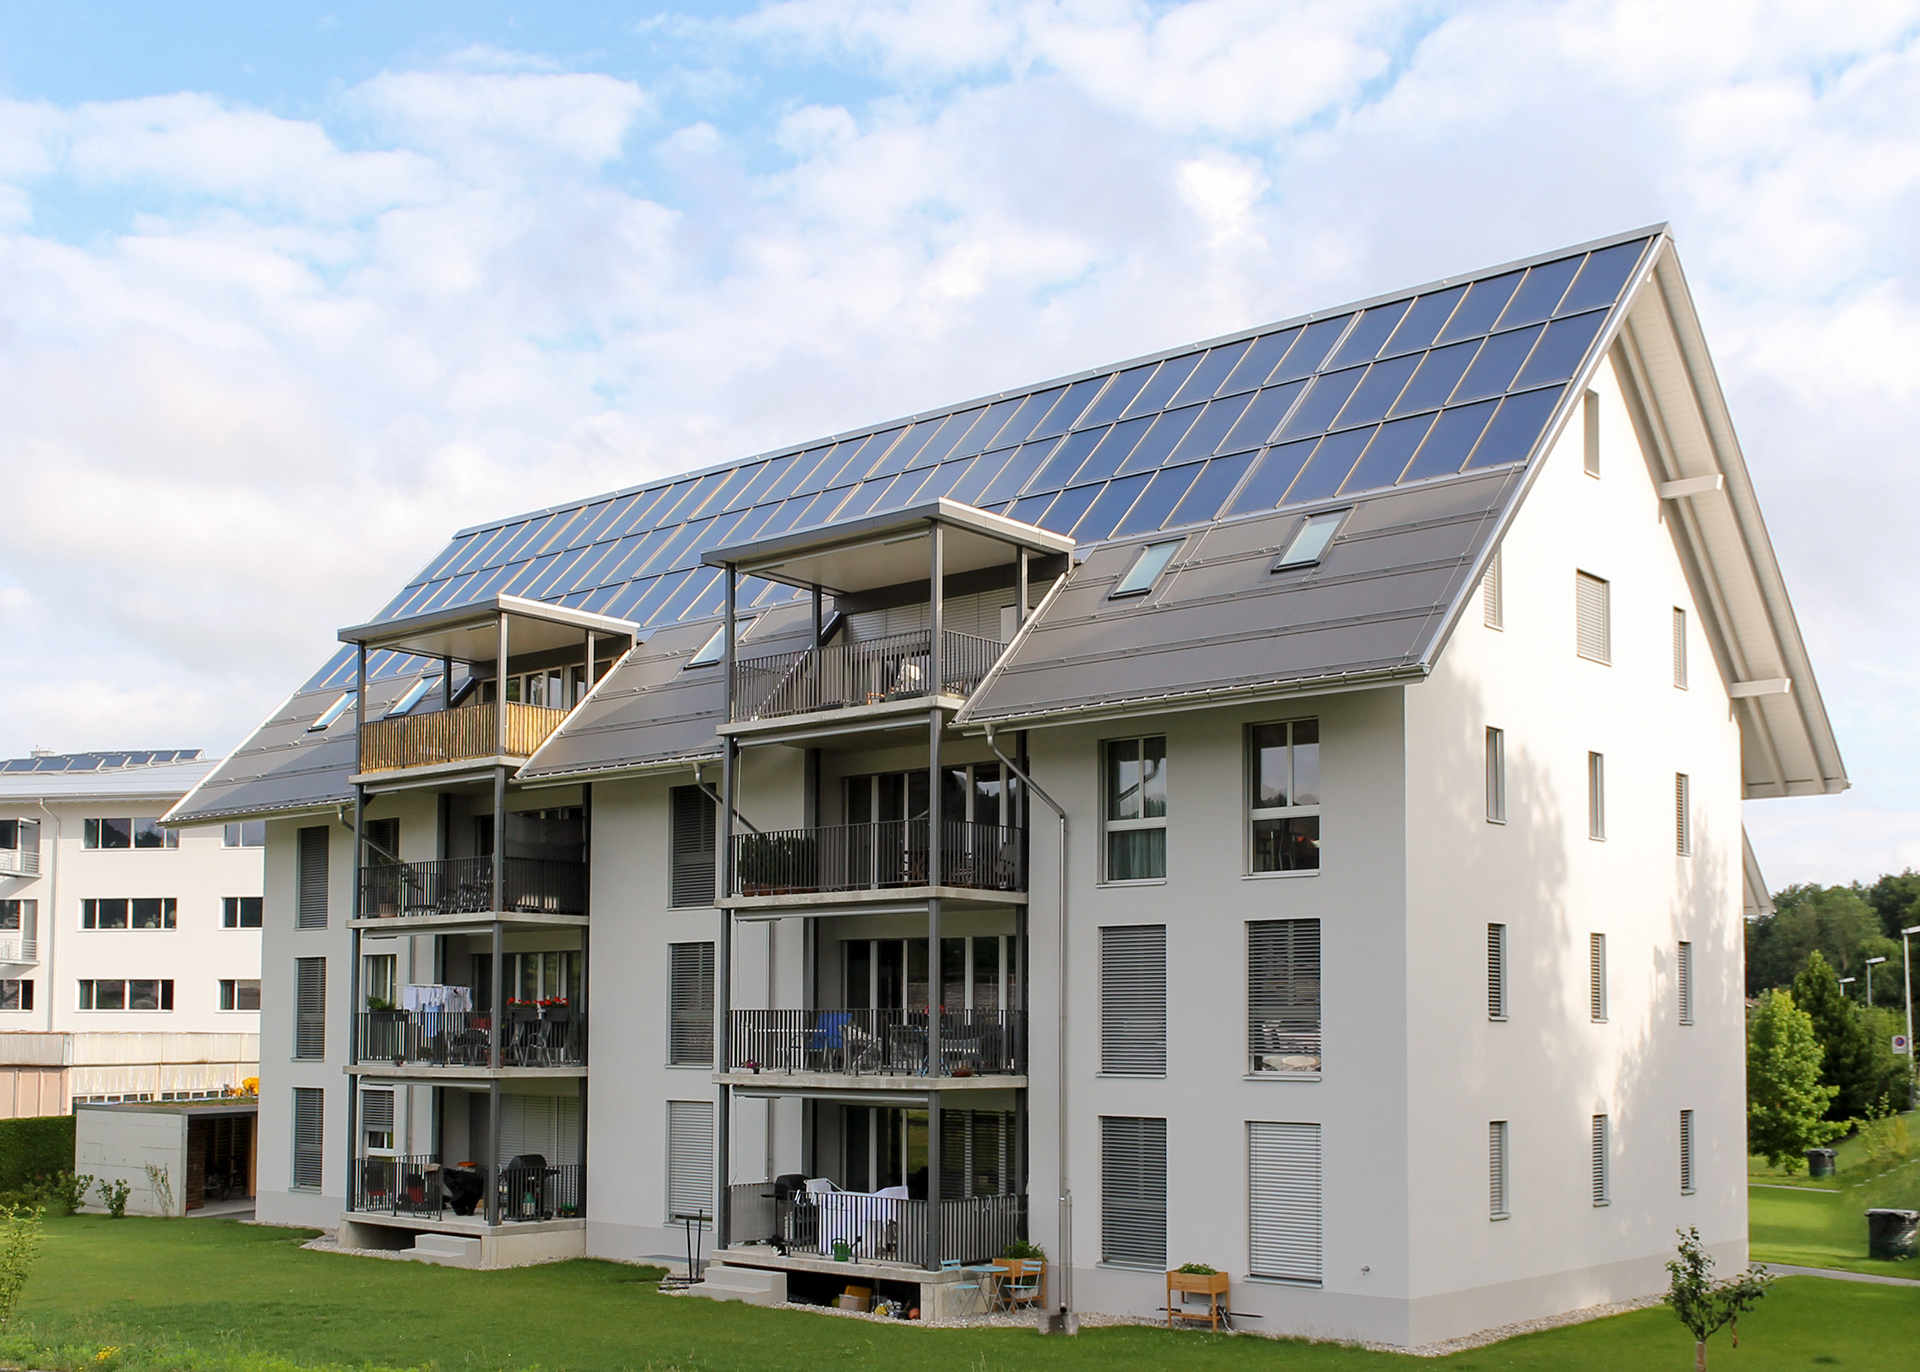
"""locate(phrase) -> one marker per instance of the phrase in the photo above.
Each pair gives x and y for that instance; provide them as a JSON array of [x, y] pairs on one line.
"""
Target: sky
[[290, 293]]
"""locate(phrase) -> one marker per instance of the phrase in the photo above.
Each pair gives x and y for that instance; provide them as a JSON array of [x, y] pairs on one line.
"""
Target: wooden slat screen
[[465, 734]]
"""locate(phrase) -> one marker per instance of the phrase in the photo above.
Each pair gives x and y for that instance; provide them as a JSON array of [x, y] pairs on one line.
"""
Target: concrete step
[[447, 1250], [753, 1285]]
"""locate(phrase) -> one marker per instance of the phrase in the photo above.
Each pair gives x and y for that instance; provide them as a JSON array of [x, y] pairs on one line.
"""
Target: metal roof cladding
[[1461, 375]]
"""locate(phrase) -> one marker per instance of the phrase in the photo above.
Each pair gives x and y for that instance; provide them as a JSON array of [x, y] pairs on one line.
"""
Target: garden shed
[[200, 1152]]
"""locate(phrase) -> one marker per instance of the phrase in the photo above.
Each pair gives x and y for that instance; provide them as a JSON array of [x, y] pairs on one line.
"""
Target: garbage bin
[[1820, 1162], [1892, 1233]]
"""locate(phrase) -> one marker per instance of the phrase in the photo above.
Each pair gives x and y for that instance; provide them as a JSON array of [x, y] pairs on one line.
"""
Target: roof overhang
[[471, 633]]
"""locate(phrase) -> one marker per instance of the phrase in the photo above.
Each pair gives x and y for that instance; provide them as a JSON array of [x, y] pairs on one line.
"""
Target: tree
[[1786, 1102], [1848, 1061], [1834, 920], [1702, 1304], [1887, 977], [1895, 899]]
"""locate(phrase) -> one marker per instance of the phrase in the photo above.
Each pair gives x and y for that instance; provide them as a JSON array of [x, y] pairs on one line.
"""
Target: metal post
[[586, 681], [936, 872], [500, 692], [1020, 594], [490, 1172], [933, 1181], [359, 849], [818, 619], [723, 952], [1906, 973], [499, 1006], [446, 682]]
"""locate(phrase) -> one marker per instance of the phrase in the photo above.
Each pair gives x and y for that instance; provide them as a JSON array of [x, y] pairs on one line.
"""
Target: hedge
[[35, 1147]]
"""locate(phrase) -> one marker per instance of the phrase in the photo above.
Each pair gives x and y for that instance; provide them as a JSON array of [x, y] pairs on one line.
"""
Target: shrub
[[160, 1182], [19, 1245], [1704, 1305], [1020, 1248], [67, 1191], [35, 1147], [1197, 1269], [113, 1195]]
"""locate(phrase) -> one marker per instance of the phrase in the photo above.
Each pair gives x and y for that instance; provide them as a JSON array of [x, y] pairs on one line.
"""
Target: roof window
[[1147, 566], [1309, 545], [333, 712], [710, 654], [415, 694]]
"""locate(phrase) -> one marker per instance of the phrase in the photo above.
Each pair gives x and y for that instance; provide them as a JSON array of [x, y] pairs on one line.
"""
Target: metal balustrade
[[872, 857], [530, 1036], [466, 734], [869, 672], [874, 1228], [877, 1042], [459, 886], [421, 1187]]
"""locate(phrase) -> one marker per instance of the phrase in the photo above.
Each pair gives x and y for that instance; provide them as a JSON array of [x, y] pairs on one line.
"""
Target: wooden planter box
[[1212, 1285]]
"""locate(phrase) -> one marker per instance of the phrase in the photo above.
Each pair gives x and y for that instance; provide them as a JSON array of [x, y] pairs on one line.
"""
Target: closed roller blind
[[1133, 1191], [690, 1004], [547, 1125], [689, 1159], [1680, 648], [376, 1108], [309, 1129], [1497, 1169], [692, 816], [310, 895], [1686, 983], [310, 1008], [1594, 636], [1491, 605], [1283, 1196], [1686, 1152], [1602, 1182], [1133, 999], [1682, 822], [1597, 976]]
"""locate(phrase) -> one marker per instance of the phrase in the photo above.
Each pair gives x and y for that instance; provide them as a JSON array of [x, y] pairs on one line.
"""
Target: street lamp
[[1845, 982], [1906, 973], [1870, 962]]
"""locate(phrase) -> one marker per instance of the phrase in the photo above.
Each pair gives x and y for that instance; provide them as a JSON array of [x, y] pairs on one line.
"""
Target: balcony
[[877, 1043], [20, 862], [440, 738], [844, 675], [18, 949], [889, 855], [455, 888], [875, 1227], [422, 1187], [532, 1036]]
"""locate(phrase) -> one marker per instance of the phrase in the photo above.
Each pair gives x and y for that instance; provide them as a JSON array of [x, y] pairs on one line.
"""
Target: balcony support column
[[723, 950], [446, 682], [934, 1167], [490, 1171], [500, 691], [1020, 593]]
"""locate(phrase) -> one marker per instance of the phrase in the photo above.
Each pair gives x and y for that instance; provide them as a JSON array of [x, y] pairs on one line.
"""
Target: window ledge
[[1281, 876], [1496, 1019], [1503, 1215], [1143, 881], [1154, 1267], [1296, 1282], [1130, 1076], [1282, 1076]]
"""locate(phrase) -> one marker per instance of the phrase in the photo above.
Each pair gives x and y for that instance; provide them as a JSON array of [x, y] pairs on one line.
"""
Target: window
[[379, 980], [1594, 635], [18, 916], [1136, 809], [128, 833], [1133, 1000], [1596, 797], [152, 912], [689, 1159], [414, 695], [309, 1009], [1602, 1143], [16, 995], [1496, 776], [340, 706], [1147, 566], [1686, 1152], [1679, 647], [1492, 602], [1683, 968], [1591, 415], [1310, 543], [240, 995], [690, 1004], [713, 649], [241, 912], [1597, 977], [1682, 821], [250, 834], [1133, 1191], [139, 994], [20, 846], [1496, 971], [691, 818], [310, 894], [1283, 995], [376, 1119], [1284, 810], [1497, 1170], [1283, 1201], [309, 1130]]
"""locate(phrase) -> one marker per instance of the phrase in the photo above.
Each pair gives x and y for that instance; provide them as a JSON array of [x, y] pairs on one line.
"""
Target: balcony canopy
[[889, 549], [471, 633]]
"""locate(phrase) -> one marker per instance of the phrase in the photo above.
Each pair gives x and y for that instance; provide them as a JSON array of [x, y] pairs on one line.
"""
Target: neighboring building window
[[154, 912], [1283, 995], [1492, 597], [16, 995], [1147, 566], [1497, 1170], [1684, 970], [250, 833], [689, 1159], [1133, 999], [340, 706], [1285, 806], [310, 893], [133, 994], [1594, 634], [309, 1131], [310, 1009], [1136, 809], [128, 833], [20, 846], [690, 1004], [241, 912], [1682, 820], [1596, 796], [1496, 776], [1679, 647], [240, 994], [1686, 1152], [715, 648], [1496, 971], [1283, 1201], [1602, 1172], [414, 695], [376, 1119], [1597, 977], [1133, 1192], [1591, 415], [691, 817], [1309, 545]]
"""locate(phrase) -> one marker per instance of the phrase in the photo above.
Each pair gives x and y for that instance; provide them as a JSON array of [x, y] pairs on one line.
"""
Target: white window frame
[[1498, 982], [1602, 1161], [88, 995], [1499, 1170], [1597, 797], [1143, 822], [230, 990], [1496, 775], [1144, 572], [1682, 815], [1309, 544], [1597, 977], [1257, 813]]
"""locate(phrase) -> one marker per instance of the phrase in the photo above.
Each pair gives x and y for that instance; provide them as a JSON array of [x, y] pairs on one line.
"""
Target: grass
[[1795, 1219], [1848, 1164], [214, 1296]]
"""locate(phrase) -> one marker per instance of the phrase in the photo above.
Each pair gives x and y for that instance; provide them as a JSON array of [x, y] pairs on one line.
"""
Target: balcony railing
[[897, 667], [18, 949], [20, 862], [419, 1186], [464, 886], [530, 1036], [973, 1043], [873, 857], [465, 734], [876, 1228]]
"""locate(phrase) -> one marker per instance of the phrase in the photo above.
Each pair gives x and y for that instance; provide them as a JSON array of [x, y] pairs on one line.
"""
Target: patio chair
[[863, 1050], [1020, 1288]]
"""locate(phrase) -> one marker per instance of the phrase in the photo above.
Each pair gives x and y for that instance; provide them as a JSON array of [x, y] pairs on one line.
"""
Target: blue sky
[[288, 293]]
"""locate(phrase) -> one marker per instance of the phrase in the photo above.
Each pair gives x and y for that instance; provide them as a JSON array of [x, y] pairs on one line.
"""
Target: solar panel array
[[1457, 378], [98, 762]]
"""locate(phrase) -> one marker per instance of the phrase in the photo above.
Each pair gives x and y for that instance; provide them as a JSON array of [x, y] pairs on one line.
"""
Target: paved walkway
[[1781, 1269]]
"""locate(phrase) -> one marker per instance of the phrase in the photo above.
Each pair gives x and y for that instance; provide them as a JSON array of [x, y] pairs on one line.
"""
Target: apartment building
[[1274, 803], [129, 952]]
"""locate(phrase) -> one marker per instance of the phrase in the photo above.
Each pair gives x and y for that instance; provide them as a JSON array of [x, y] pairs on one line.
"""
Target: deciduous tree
[[1786, 1102]]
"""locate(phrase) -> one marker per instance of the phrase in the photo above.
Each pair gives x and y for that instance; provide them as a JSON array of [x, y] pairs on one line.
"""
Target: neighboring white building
[[129, 953], [1398, 673]]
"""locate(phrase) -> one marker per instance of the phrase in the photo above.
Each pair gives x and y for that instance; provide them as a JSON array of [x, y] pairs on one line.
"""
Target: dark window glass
[[1168, 429], [1482, 306], [242, 912], [1516, 428], [1440, 371], [1278, 467], [1386, 456], [1493, 370], [1561, 350], [1423, 321], [109, 995], [149, 913], [109, 833], [1258, 362], [1328, 469], [104, 914], [1370, 334], [1150, 511], [1212, 372], [1601, 280], [1211, 490], [1379, 390], [1210, 430], [1540, 292], [1453, 437], [1262, 416], [1321, 403], [1116, 397], [1159, 391]]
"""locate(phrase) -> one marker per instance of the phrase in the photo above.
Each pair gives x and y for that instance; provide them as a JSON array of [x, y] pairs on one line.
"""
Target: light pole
[[1845, 982], [1906, 974], [1870, 962]]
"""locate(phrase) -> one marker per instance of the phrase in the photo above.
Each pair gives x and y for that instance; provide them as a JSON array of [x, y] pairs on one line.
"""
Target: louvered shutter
[[310, 897], [1133, 1191], [689, 1159], [1597, 976], [692, 816], [690, 1004], [1497, 1169], [309, 1132], [1602, 1182], [376, 1115], [1685, 978], [1496, 971], [1283, 995], [1492, 606], [1283, 1195], [1682, 822], [310, 1008], [1497, 776], [547, 1125], [1590, 604], [1133, 999], [1680, 648], [1686, 1152]]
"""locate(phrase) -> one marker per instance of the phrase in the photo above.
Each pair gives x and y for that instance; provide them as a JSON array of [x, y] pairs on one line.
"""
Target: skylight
[[1146, 569], [710, 654], [415, 694], [1310, 544], [333, 712]]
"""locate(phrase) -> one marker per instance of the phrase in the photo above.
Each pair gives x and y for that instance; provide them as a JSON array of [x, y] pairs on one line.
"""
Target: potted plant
[[1196, 1278], [1021, 1259]]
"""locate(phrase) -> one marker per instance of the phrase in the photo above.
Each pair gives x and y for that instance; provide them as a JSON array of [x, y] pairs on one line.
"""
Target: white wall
[[118, 1143]]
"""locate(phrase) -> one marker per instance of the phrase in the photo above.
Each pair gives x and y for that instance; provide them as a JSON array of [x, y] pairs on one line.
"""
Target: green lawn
[[1817, 1229], [1848, 1164], [215, 1296]]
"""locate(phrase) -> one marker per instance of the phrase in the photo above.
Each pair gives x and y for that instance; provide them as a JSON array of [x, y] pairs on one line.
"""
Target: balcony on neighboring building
[[872, 672], [877, 1048], [460, 891], [535, 1039], [471, 733], [19, 848]]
